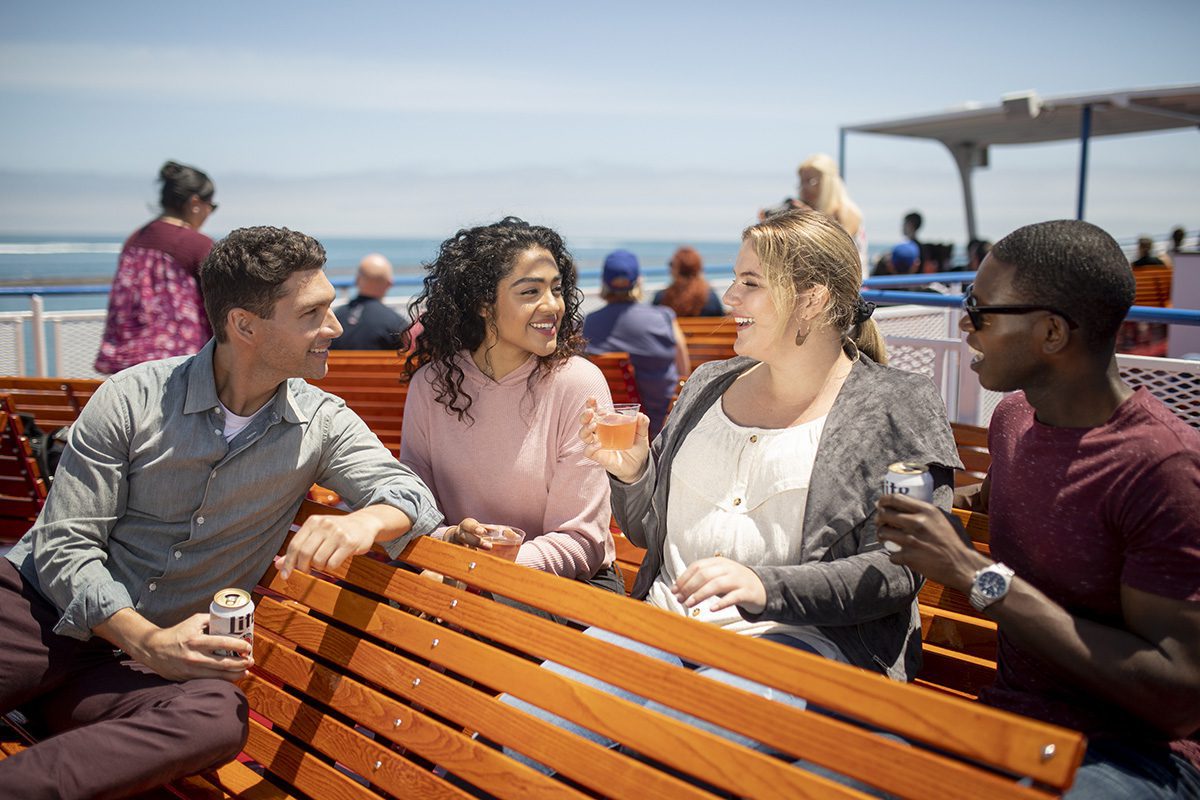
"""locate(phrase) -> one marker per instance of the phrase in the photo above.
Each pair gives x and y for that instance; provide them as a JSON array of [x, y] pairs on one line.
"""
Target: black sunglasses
[[211, 204], [975, 311]]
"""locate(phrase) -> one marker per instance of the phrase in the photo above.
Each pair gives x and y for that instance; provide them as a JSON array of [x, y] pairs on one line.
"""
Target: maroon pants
[[117, 727]]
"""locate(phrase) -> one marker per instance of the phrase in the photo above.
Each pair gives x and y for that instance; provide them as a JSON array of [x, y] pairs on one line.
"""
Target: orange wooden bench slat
[[365, 756], [868, 697], [301, 769], [425, 687], [401, 724], [234, 779], [711, 758], [834, 744]]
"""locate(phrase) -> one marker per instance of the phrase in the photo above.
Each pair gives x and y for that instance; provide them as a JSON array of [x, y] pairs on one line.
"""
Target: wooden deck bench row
[[373, 681], [22, 489]]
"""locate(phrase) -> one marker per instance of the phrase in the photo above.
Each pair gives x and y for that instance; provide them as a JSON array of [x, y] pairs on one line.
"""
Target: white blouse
[[739, 492]]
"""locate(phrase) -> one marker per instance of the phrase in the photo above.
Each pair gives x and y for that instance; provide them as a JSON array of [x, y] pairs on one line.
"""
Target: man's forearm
[[391, 521], [1114, 664], [126, 629]]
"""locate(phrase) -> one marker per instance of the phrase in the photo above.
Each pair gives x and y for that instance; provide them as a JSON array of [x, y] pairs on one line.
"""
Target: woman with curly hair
[[496, 388]]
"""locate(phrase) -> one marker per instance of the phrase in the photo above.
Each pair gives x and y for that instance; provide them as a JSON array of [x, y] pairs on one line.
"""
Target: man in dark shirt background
[[368, 323]]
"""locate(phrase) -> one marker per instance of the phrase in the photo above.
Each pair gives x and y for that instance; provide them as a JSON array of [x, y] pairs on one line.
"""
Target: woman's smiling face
[[527, 313]]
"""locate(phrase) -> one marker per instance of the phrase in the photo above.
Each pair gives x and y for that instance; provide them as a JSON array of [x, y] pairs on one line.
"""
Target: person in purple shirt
[[1091, 496], [649, 334]]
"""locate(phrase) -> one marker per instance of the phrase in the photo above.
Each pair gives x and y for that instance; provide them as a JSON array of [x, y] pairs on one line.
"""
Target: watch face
[[991, 585]]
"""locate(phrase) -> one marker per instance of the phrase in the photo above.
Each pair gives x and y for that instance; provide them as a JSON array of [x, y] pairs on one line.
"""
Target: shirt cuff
[[92, 607]]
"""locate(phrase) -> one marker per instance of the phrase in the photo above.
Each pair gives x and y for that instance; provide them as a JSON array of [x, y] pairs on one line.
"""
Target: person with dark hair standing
[[496, 386], [367, 323], [689, 294], [649, 334], [1094, 574], [181, 478], [155, 309]]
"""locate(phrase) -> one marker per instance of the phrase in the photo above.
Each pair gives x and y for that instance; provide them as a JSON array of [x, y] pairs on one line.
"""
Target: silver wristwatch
[[990, 585]]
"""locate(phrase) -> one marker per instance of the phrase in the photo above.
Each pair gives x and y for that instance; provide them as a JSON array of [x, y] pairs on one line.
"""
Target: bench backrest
[[417, 663], [22, 490], [708, 338], [53, 402]]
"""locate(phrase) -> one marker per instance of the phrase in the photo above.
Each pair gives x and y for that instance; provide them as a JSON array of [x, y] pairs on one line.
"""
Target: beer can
[[911, 478], [232, 614]]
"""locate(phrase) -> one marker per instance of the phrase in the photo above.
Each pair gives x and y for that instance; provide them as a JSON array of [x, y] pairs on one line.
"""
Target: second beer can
[[910, 478], [232, 614]]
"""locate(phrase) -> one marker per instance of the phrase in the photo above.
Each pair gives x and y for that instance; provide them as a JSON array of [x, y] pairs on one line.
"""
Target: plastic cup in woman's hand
[[616, 425]]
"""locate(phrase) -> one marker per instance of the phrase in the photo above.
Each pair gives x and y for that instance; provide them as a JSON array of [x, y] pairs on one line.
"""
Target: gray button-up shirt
[[152, 509]]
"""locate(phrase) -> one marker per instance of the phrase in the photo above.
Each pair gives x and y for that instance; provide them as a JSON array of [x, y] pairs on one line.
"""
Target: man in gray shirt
[[181, 478]]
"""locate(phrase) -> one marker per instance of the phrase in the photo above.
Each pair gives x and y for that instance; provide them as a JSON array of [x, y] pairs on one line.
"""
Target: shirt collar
[[202, 389]]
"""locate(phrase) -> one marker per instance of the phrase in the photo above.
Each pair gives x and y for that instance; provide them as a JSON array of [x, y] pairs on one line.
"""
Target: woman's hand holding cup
[[625, 464]]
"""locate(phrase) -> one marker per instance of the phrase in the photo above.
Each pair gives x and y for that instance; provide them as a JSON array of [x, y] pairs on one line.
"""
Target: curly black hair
[[462, 280]]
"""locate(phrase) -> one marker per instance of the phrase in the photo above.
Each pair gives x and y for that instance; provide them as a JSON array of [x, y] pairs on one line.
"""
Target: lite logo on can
[[911, 478], [232, 614]]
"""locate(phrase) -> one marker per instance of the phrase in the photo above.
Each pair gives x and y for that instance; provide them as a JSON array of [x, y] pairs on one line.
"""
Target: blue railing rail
[[880, 289], [405, 284]]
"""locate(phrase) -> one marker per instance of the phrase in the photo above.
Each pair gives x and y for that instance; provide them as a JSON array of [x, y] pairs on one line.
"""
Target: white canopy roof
[[1026, 118]]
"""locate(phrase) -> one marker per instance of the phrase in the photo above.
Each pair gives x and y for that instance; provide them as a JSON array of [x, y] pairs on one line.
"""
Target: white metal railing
[[946, 360]]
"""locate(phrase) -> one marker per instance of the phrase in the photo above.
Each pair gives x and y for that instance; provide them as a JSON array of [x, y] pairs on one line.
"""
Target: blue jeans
[[709, 672], [1118, 771]]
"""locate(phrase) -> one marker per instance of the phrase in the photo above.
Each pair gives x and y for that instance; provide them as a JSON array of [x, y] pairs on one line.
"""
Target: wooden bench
[[372, 680], [708, 338], [959, 643], [972, 443], [22, 489], [53, 402]]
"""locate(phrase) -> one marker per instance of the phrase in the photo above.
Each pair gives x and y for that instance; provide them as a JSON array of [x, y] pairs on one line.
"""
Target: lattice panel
[[1179, 390], [76, 345], [922, 360], [11, 346], [918, 323], [989, 401]]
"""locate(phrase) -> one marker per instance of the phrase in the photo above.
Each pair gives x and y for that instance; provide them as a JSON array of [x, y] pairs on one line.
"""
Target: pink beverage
[[910, 478], [232, 614], [616, 427], [505, 541]]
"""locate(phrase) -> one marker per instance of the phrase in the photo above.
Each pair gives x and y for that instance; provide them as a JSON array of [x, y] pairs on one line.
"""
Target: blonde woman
[[756, 502], [822, 189]]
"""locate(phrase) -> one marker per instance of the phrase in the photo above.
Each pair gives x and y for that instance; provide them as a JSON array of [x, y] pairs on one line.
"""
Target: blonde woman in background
[[822, 189]]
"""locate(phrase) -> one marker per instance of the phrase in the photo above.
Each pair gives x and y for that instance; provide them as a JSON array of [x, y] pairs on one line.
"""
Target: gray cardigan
[[845, 583]]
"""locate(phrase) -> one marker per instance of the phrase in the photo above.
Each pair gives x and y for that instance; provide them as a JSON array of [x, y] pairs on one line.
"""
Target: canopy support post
[[1085, 135]]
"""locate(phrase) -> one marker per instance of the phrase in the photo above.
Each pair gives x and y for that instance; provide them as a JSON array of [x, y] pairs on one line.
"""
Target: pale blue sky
[[627, 120]]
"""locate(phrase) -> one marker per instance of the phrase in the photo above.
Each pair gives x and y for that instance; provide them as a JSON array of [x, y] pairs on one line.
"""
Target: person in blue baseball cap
[[650, 334]]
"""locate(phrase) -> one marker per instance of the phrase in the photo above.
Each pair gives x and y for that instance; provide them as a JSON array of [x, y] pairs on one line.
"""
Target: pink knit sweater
[[519, 463]]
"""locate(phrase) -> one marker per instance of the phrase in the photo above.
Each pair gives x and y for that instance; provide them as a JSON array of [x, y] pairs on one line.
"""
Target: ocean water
[[88, 262]]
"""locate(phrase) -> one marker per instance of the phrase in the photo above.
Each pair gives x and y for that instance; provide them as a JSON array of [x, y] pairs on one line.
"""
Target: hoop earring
[[802, 333]]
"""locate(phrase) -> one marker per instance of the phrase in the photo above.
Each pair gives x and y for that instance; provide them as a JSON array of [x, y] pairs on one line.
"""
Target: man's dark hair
[[1075, 267], [914, 219], [247, 269]]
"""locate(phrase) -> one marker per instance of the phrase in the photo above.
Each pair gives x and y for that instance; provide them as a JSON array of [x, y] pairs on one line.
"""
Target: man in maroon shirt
[[1093, 497]]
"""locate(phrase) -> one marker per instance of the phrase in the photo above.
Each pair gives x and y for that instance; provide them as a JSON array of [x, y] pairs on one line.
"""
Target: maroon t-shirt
[[1078, 512]]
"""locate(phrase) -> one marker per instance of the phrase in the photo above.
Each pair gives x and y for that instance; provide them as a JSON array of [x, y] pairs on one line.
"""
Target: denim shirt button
[[199, 520], [178, 554], [153, 586]]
